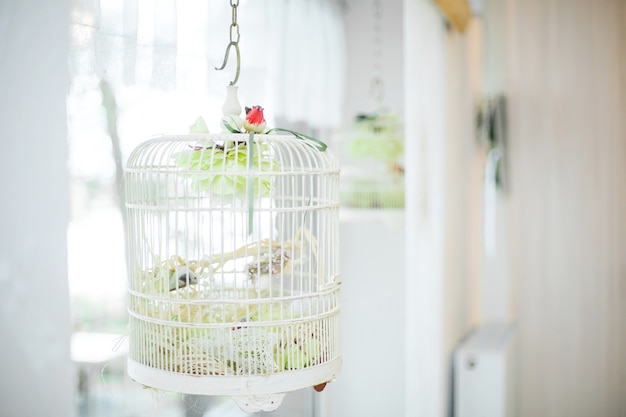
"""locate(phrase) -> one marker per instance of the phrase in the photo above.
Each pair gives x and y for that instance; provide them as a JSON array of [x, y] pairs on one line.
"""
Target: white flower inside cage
[[233, 248]]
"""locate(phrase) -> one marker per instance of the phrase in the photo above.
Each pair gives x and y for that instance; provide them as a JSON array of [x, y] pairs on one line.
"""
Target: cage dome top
[[284, 152]]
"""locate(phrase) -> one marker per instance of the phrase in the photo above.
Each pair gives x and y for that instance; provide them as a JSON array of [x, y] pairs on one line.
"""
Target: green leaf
[[231, 124], [316, 143], [199, 126]]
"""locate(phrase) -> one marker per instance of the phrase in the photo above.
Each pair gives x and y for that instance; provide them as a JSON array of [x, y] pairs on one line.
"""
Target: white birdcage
[[233, 266]]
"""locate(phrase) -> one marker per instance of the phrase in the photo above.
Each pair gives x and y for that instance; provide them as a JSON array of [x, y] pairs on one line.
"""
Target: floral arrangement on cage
[[213, 165]]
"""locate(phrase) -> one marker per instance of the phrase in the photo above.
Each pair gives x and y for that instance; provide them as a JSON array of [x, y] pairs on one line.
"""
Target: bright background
[[561, 274]]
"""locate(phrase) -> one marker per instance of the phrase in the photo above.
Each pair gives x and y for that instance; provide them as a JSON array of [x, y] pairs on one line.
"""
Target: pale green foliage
[[377, 137], [299, 354], [224, 170]]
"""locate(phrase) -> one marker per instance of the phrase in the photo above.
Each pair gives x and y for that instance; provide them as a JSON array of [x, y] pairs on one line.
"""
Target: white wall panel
[[564, 65], [372, 316], [36, 372]]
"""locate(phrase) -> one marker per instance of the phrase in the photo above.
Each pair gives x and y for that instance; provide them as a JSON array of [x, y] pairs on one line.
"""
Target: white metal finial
[[231, 109]]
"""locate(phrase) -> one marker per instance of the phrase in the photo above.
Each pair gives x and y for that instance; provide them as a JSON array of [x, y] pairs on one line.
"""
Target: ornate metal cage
[[233, 266]]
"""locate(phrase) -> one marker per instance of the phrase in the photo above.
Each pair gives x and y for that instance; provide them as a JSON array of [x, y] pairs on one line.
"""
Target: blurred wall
[[444, 170], [35, 368], [372, 317], [563, 68]]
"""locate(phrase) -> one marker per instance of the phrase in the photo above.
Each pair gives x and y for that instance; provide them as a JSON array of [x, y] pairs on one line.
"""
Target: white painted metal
[[484, 373], [234, 270], [234, 385]]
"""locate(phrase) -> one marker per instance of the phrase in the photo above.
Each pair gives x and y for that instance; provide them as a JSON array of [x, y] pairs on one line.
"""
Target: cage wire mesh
[[233, 266]]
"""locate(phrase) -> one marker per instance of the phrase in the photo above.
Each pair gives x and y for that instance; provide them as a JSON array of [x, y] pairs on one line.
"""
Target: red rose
[[255, 122]]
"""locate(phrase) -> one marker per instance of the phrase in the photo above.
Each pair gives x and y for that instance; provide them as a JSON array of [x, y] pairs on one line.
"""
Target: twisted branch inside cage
[[214, 263]]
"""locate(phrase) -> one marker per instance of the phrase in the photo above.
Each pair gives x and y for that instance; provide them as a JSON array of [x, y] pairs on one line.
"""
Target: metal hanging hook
[[233, 33], [236, 45]]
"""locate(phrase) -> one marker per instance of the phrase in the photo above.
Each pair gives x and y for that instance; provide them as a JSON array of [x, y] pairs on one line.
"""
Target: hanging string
[[377, 87], [234, 36]]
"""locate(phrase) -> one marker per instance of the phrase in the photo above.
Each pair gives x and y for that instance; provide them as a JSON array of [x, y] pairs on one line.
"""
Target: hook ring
[[236, 45]]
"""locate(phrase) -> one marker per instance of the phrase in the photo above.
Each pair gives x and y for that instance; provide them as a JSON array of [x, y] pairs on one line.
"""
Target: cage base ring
[[234, 385]]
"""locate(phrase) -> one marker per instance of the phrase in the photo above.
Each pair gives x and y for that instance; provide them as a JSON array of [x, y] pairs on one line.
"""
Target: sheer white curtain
[[308, 61], [293, 58]]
